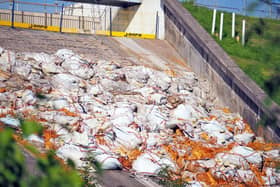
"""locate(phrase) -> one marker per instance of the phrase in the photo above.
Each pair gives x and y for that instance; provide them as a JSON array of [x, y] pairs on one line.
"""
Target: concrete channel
[[185, 41]]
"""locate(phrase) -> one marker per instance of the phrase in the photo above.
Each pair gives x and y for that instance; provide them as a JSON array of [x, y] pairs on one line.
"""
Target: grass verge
[[260, 57]]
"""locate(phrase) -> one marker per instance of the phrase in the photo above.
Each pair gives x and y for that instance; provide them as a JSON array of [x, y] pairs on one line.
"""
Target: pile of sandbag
[[132, 117]]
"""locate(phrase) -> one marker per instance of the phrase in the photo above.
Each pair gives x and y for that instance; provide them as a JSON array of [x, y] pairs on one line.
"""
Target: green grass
[[260, 57]]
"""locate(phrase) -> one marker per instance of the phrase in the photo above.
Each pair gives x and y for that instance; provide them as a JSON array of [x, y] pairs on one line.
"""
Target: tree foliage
[[13, 172]]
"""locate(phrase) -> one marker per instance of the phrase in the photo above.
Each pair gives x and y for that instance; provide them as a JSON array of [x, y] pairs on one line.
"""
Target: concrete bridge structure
[[120, 3], [130, 16]]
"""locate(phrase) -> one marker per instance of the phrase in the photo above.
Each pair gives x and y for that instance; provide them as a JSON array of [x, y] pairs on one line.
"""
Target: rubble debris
[[133, 117]]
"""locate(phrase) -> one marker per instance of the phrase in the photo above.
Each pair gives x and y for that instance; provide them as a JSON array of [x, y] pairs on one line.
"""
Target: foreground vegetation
[[260, 57], [49, 170]]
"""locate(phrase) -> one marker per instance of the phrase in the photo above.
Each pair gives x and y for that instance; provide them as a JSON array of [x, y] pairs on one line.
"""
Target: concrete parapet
[[228, 81]]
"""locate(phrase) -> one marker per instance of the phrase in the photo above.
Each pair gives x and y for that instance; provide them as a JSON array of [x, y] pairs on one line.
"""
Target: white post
[[214, 21], [221, 26], [243, 31], [233, 25]]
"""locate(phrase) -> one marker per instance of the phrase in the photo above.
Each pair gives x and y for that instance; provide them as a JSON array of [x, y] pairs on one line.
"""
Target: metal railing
[[11, 16], [77, 18]]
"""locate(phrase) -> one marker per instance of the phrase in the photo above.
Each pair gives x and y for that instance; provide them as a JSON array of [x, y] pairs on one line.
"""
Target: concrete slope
[[158, 54], [208, 60]]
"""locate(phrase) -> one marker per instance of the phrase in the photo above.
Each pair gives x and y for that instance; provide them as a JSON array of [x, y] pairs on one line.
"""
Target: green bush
[[13, 172]]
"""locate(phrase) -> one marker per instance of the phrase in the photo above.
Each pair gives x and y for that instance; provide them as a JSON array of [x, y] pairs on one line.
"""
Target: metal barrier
[[72, 18]]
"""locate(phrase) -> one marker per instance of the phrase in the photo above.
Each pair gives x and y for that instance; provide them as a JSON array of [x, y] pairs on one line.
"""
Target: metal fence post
[[111, 21], [243, 31], [51, 17], [46, 19], [157, 25], [61, 18], [79, 22], [214, 21], [22, 17], [105, 20], [233, 25], [13, 14], [221, 26], [83, 22]]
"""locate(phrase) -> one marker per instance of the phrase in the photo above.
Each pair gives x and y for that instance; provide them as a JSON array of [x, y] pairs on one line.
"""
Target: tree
[[13, 172]]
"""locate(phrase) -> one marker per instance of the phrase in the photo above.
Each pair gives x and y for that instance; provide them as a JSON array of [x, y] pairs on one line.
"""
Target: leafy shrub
[[13, 172]]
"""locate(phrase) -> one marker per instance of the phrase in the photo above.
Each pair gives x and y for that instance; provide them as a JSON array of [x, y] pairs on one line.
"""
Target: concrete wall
[[228, 81], [135, 19], [144, 20]]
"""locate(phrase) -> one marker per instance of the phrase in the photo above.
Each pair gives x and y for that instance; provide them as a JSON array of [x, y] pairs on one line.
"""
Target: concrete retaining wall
[[228, 81], [145, 19]]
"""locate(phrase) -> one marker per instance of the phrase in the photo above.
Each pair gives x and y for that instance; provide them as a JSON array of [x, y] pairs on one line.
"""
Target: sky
[[34, 8], [263, 10], [226, 5]]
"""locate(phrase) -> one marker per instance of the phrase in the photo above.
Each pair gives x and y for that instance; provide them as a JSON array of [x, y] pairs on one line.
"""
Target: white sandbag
[[51, 67], [15, 123], [65, 82], [138, 73], [79, 68], [159, 99], [194, 184], [22, 69], [117, 86], [7, 61], [207, 163], [146, 165], [172, 123], [108, 162], [215, 129], [153, 139], [244, 138], [167, 163], [47, 115], [4, 97], [160, 80], [71, 152], [246, 175], [122, 116], [65, 120], [231, 160], [28, 97], [1, 51], [249, 154], [60, 103], [272, 177], [80, 138], [274, 154], [95, 89], [156, 118], [64, 53], [35, 138], [183, 112], [92, 123], [127, 137]]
